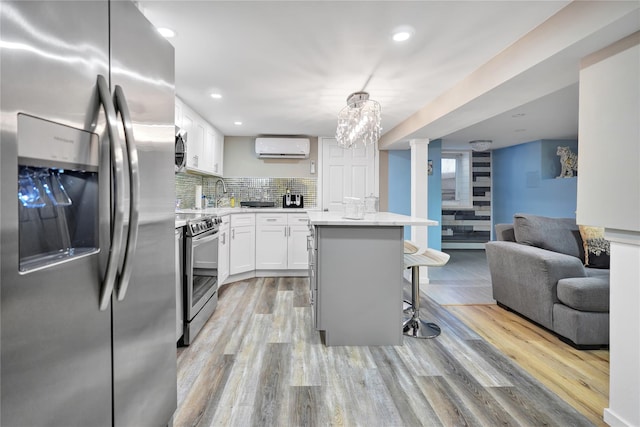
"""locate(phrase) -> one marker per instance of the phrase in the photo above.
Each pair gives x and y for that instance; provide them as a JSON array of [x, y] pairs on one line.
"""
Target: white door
[[350, 172]]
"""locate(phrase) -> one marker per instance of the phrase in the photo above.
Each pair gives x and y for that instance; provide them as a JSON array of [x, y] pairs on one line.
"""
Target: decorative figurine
[[569, 162]]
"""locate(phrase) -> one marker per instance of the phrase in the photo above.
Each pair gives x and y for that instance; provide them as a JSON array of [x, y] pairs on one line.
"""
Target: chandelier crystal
[[480, 144], [359, 121]]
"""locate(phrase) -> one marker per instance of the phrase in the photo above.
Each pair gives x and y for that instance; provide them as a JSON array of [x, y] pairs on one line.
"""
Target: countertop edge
[[196, 213], [388, 219]]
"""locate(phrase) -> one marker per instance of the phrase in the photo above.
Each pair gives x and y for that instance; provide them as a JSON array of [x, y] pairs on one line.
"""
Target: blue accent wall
[[524, 181], [400, 185], [400, 189], [434, 209]]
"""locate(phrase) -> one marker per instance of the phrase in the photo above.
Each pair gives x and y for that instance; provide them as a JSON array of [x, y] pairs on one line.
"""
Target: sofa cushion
[[554, 234], [598, 272], [584, 293], [596, 248]]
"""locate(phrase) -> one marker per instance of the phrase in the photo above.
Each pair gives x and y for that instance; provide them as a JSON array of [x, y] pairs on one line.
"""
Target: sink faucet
[[224, 190]]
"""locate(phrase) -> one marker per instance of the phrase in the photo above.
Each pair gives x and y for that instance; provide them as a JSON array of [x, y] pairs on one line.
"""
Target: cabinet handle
[[285, 231], [224, 235], [233, 233], [271, 219]]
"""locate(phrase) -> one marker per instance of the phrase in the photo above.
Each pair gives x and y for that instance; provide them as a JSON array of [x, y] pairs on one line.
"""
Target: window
[[456, 179]]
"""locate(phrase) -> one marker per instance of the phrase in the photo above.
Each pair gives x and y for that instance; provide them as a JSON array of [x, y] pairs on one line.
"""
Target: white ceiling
[[287, 67]]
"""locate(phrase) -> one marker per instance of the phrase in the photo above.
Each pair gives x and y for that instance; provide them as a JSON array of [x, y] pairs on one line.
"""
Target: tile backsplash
[[267, 189]]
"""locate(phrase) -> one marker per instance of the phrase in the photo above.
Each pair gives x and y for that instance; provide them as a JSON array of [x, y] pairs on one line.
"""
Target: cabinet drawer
[[271, 219], [238, 220], [298, 219], [225, 220]]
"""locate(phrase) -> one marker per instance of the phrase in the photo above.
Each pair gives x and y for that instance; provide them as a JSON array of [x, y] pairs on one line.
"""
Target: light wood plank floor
[[259, 361], [579, 377]]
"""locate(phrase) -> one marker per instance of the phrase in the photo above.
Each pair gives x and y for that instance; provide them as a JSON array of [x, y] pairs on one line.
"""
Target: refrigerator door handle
[[117, 159], [134, 191]]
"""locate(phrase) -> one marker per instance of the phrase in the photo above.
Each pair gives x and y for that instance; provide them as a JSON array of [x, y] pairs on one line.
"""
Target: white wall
[[609, 196], [609, 137], [240, 160]]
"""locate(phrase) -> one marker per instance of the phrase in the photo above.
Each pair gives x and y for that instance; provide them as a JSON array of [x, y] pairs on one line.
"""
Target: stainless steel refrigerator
[[86, 214]]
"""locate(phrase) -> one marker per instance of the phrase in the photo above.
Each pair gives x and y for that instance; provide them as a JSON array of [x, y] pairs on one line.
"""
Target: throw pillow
[[596, 248], [553, 234]]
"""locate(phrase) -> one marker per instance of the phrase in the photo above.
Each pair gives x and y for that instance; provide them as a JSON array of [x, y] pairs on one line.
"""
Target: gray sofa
[[537, 270]]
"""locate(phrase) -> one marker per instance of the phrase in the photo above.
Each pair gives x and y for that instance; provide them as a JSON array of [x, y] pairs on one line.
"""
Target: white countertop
[[380, 219], [182, 215], [316, 216]]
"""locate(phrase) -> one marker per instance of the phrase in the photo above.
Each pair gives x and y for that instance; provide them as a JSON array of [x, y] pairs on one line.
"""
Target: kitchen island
[[355, 276]]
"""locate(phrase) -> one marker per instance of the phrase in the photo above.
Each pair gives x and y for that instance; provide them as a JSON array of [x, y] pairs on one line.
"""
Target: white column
[[419, 194], [624, 327]]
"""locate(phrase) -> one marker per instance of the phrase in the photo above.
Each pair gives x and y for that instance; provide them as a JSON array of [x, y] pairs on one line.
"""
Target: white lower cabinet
[[271, 241], [242, 254], [297, 258], [223, 250], [281, 241]]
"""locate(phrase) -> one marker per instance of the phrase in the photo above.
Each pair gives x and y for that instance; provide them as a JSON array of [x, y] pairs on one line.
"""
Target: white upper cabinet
[[214, 149], [218, 152], [205, 144]]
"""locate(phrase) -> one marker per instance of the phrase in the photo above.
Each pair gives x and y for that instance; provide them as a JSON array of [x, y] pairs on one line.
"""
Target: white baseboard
[[265, 273], [282, 273], [613, 420]]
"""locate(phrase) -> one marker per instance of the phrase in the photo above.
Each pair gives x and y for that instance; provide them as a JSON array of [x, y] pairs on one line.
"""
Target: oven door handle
[[117, 165], [198, 241], [134, 192]]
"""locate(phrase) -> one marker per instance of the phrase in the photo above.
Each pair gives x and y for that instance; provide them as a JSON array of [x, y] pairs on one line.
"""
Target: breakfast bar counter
[[355, 276]]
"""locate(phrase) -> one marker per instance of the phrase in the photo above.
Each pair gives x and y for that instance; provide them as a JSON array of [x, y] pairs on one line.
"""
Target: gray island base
[[356, 277]]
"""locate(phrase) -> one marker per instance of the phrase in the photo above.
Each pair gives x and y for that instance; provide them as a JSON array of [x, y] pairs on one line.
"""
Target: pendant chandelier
[[480, 144], [359, 121]]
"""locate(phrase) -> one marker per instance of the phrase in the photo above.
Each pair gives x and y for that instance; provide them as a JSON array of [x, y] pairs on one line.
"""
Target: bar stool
[[413, 326]]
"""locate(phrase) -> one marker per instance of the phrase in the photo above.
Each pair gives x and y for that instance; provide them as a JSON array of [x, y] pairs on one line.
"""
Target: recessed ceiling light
[[216, 95], [401, 36], [237, 123], [518, 115], [167, 33], [403, 33]]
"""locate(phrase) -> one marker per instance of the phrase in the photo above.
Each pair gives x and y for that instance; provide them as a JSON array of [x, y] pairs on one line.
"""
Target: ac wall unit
[[282, 148]]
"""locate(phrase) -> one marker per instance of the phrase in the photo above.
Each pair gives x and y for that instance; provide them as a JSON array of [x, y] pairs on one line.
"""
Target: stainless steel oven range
[[201, 274]]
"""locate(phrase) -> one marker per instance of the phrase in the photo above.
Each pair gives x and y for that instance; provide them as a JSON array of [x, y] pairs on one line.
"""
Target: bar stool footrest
[[416, 328]]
